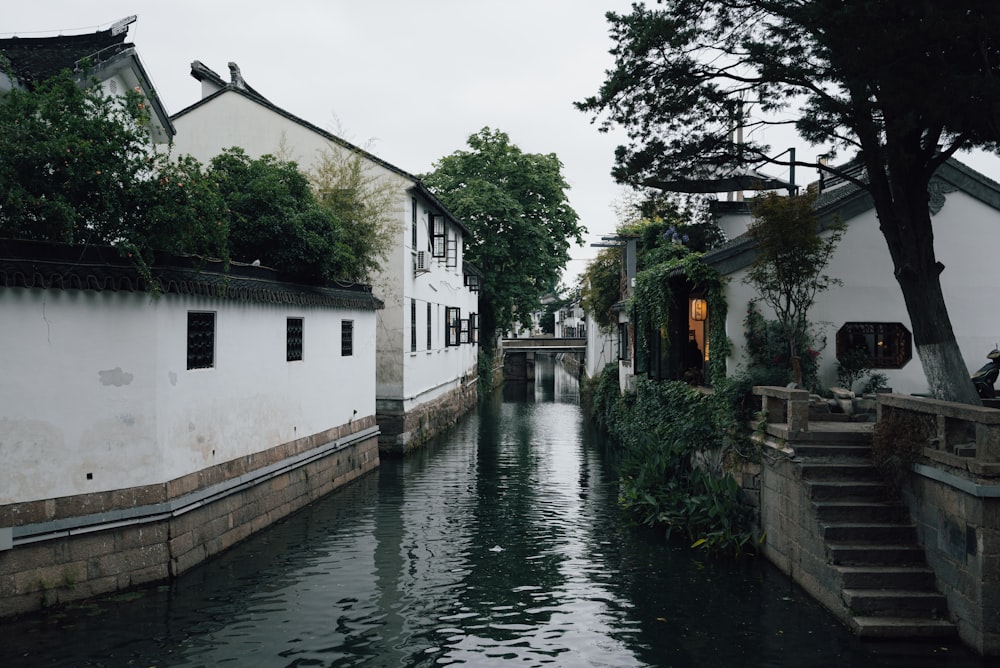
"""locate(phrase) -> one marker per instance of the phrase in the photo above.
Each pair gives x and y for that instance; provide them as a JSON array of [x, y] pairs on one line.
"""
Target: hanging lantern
[[699, 309]]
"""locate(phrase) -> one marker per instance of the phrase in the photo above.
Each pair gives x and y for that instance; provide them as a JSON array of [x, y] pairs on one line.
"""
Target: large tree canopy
[[903, 85], [516, 207]]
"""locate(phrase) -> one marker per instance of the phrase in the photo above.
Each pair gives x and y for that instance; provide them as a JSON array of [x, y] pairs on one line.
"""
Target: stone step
[[896, 603], [865, 554], [847, 511], [872, 533], [902, 627], [833, 451], [839, 471], [836, 490], [886, 577]]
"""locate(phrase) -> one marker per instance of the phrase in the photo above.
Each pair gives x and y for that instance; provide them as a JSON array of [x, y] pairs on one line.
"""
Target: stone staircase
[[871, 544]]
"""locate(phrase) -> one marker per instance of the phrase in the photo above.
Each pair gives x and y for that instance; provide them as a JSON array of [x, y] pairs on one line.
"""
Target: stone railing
[[784, 405], [967, 437]]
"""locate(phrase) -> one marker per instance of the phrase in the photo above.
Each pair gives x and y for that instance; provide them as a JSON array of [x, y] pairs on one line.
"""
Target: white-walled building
[[112, 61], [868, 308], [427, 333], [141, 433]]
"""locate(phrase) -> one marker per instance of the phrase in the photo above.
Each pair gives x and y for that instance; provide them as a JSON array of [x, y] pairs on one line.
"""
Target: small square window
[[346, 338], [293, 339], [200, 340]]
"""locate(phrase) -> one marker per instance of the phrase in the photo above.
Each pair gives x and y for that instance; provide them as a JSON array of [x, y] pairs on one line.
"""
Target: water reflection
[[500, 542]]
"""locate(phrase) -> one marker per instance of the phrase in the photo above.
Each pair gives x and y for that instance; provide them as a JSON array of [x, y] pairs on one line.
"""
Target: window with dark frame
[[413, 325], [473, 328], [452, 316], [438, 236], [623, 341], [430, 328], [346, 338], [463, 331], [413, 223], [452, 260], [293, 339], [200, 340]]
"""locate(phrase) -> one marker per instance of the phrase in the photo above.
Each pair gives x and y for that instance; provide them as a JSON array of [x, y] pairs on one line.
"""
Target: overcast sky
[[409, 80]]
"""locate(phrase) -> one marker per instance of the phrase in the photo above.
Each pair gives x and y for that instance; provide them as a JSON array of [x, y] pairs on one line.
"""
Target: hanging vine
[[654, 299]]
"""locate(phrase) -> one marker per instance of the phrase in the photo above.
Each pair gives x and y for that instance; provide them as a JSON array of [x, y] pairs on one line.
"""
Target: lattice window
[[293, 339], [200, 340]]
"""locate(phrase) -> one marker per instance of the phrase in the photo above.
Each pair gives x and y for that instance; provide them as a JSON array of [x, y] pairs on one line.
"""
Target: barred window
[[346, 338], [200, 340], [293, 339]]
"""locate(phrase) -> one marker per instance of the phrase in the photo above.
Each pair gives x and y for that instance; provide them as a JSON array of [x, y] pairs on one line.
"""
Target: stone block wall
[[791, 541], [959, 526], [403, 432], [77, 547]]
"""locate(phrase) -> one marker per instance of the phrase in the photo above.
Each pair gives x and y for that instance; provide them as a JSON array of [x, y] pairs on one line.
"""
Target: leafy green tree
[[904, 100], [276, 219], [182, 211], [787, 270], [522, 225], [69, 156], [364, 200], [601, 287]]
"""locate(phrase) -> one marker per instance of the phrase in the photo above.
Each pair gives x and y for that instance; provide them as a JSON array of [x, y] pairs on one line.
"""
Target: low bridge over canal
[[519, 353]]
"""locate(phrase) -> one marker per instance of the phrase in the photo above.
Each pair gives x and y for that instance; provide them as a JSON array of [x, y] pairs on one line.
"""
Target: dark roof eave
[[32, 264]]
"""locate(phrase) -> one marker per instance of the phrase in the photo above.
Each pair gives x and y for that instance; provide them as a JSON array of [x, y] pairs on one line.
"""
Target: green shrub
[[898, 441], [663, 429]]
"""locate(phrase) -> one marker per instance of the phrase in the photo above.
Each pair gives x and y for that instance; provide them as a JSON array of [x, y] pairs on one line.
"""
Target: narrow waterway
[[500, 543]]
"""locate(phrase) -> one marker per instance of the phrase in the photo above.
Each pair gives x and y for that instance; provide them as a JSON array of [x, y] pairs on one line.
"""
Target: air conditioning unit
[[420, 263]]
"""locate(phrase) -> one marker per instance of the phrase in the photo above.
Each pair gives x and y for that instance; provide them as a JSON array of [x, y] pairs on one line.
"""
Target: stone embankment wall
[[954, 499], [65, 549], [403, 432], [786, 526]]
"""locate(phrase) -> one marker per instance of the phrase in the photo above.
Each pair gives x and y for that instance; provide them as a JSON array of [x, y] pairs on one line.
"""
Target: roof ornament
[[118, 27], [235, 77]]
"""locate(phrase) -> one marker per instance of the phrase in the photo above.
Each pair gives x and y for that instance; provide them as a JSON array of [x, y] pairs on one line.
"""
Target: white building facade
[[427, 334]]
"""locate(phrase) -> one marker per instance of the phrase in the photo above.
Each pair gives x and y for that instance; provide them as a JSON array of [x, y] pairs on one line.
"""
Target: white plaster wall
[[98, 383], [964, 229], [602, 347]]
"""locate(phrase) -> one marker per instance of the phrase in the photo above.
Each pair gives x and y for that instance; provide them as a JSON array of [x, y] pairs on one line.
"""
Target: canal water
[[500, 544]]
